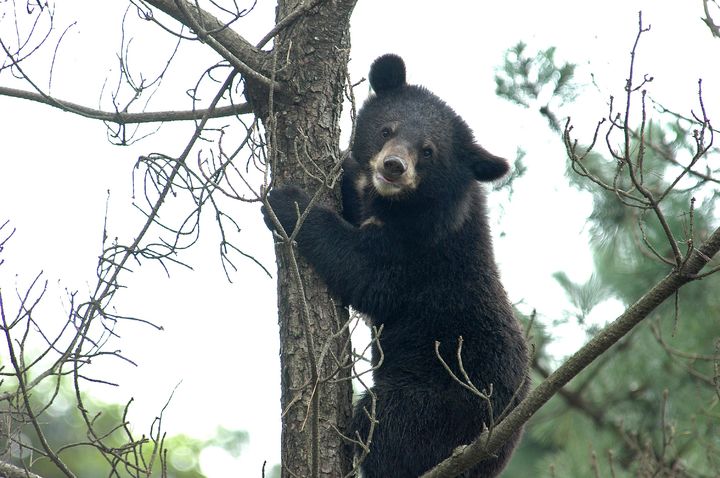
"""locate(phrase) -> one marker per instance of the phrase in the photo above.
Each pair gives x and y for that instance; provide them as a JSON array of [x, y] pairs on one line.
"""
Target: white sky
[[220, 339]]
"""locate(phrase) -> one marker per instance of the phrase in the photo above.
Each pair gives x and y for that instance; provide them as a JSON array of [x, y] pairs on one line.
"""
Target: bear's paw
[[288, 203]]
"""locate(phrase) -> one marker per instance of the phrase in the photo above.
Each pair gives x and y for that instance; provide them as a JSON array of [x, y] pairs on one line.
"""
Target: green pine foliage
[[535, 82], [650, 406]]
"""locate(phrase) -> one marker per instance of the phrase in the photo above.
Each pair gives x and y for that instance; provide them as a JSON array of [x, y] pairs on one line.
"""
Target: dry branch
[[246, 58], [709, 20], [123, 118]]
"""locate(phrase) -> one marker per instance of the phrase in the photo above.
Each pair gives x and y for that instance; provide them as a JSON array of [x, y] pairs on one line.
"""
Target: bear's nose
[[393, 167]]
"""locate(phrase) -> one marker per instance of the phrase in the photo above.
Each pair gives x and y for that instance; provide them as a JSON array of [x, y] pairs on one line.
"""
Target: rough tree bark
[[302, 120], [301, 114]]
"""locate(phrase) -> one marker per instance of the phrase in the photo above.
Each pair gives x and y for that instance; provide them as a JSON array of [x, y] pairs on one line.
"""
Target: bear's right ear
[[387, 73], [486, 166]]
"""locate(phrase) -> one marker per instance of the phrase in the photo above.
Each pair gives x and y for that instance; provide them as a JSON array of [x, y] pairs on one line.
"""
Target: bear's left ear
[[486, 166]]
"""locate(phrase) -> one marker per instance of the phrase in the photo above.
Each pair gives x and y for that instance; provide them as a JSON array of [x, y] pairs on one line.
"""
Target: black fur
[[416, 258], [387, 73]]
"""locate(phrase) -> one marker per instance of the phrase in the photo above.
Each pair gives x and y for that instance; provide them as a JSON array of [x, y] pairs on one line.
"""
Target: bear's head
[[409, 144]]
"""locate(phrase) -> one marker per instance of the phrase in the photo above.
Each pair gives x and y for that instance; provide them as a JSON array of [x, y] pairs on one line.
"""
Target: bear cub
[[413, 253]]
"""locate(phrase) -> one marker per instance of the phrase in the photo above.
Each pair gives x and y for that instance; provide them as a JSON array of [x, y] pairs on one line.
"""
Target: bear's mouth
[[382, 178], [385, 186]]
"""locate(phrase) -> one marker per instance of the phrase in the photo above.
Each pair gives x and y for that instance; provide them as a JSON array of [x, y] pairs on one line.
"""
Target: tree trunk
[[302, 125]]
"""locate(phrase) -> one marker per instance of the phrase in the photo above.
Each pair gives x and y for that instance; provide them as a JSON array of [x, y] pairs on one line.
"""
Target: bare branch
[[16, 357], [123, 118], [239, 52]]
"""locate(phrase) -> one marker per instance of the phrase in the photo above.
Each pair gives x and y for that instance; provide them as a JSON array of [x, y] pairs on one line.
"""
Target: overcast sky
[[220, 339]]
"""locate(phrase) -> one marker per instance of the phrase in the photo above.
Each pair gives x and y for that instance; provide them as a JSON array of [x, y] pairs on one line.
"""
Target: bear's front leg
[[357, 264]]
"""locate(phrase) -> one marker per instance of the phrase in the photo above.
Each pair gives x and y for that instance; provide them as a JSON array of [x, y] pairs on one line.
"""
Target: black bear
[[414, 254]]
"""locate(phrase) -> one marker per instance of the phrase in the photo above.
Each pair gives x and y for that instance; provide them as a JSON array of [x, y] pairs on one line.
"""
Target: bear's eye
[[386, 132], [427, 152]]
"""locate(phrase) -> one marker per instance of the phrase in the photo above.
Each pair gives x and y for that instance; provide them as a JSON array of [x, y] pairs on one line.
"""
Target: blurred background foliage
[[63, 426], [650, 406]]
